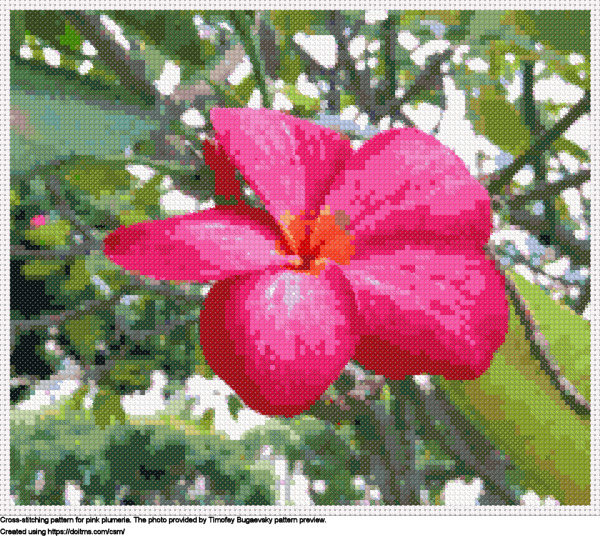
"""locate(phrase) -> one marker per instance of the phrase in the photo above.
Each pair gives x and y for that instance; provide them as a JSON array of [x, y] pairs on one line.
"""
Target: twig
[[477, 453], [585, 297], [498, 181], [240, 21], [563, 238], [546, 190], [131, 75], [424, 81], [47, 321], [22, 251], [53, 185], [358, 399]]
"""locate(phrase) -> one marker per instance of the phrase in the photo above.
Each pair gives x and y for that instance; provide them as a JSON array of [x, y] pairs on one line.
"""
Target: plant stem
[[389, 36], [530, 117], [497, 182], [586, 295], [252, 48]]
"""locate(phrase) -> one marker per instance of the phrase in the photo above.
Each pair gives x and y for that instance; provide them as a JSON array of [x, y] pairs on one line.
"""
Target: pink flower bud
[[37, 221]]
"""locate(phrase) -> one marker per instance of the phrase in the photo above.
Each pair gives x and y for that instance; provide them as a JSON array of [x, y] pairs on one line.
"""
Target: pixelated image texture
[[300, 258]]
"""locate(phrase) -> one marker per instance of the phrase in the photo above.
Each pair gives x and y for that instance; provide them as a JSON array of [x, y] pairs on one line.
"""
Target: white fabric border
[[6, 507]]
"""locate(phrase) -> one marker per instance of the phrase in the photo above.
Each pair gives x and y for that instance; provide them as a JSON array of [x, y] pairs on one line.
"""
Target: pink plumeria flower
[[37, 221], [375, 255]]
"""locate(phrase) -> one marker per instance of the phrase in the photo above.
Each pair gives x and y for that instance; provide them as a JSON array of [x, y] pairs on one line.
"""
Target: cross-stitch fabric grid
[[299, 260]]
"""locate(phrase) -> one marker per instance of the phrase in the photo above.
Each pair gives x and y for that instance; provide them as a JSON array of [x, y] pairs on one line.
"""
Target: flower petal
[[404, 184], [216, 159], [279, 338], [424, 312], [212, 244], [290, 162]]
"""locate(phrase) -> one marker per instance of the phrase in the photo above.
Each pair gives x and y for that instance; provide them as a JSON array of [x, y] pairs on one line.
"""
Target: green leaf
[[78, 397], [149, 194], [500, 121], [173, 32], [79, 277], [517, 407], [291, 67], [578, 75], [40, 269], [563, 144], [51, 234], [568, 334], [84, 333], [562, 30], [17, 30], [303, 106], [129, 375], [290, 22], [98, 87], [71, 38], [96, 177], [107, 409]]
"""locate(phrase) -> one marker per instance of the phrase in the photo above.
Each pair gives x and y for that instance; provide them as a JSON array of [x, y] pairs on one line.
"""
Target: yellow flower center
[[314, 239]]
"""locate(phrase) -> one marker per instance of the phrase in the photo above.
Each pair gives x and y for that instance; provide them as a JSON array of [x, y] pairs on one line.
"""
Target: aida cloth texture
[[321, 261]]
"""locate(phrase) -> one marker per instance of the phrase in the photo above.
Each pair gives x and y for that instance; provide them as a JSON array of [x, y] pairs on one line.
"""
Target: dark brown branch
[[548, 190], [585, 297], [47, 321], [358, 400], [563, 238], [539, 346]]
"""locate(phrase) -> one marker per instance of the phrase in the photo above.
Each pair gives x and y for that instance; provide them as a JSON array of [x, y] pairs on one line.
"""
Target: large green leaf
[[98, 86], [517, 407], [107, 409], [500, 121], [568, 334], [49, 124], [562, 30]]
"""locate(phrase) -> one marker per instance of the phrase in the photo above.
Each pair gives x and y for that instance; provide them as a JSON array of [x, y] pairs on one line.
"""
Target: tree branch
[[498, 181], [546, 190], [47, 321], [63, 207], [539, 346], [585, 297], [357, 398], [445, 423], [132, 75], [22, 251], [563, 238]]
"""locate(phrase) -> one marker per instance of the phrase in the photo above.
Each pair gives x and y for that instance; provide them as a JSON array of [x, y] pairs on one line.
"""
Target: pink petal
[[290, 162], [212, 244], [280, 338], [406, 186], [425, 312]]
